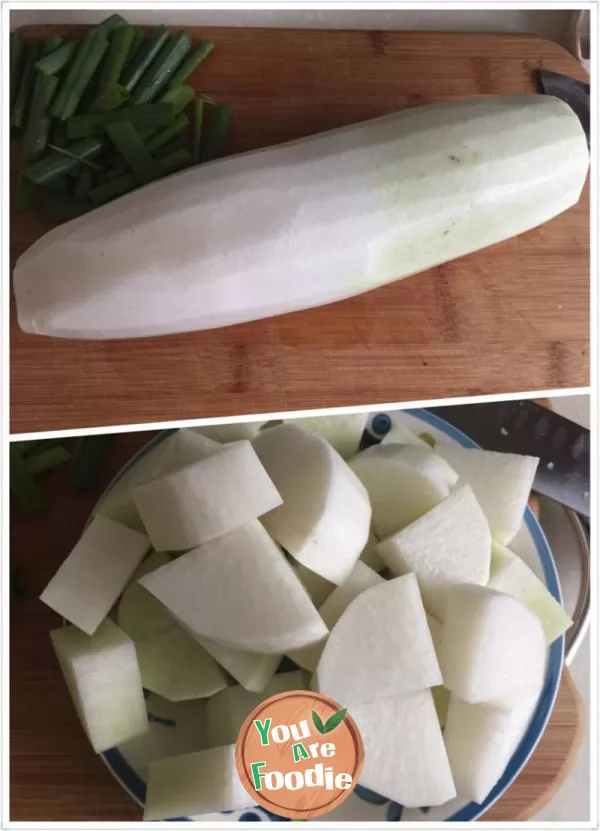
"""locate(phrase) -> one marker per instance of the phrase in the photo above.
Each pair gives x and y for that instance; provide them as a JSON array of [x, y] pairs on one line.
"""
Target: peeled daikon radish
[[227, 710], [318, 587], [449, 544], [370, 556], [183, 448], [511, 575], [251, 670], [325, 516], [226, 433], [361, 578], [195, 783], [405, 756], [501, 482], [207, 499], [343, 432], [480, 740], [403, 481], [240, 591], [139, 614], [104, 681], [381, 646], [492, 644], [95, 573], [400, 434], [440, 694]]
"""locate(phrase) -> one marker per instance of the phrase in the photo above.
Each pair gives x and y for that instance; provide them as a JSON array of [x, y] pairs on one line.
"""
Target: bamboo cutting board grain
[[512, 317], [55, 776]]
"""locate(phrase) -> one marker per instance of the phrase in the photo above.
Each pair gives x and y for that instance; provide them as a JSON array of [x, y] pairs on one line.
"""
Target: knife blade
[[574, 93], [527, 428]]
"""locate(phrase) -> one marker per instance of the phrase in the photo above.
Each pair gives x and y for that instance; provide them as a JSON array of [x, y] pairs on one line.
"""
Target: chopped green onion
[[89, 455], [62, 160], [178, 98], [56, 61], [198, 118], [114, 61], [112, 98], [162, 137], [20, 111], [23, 487], [87, 59], [162, 68], [60, 208], [76, 157], [138, 40], [192, 63], [37, 133], [129, 144], [428, 439], [217, 133], [115, 21], [116, 187], [146, 54], [147, 116], [47, 459], [83, 185]]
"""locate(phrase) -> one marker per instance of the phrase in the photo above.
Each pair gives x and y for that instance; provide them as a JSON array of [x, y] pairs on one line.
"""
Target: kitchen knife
[[574, 93]]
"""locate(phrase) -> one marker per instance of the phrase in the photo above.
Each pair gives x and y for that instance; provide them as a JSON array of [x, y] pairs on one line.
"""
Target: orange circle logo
[[299, 754]]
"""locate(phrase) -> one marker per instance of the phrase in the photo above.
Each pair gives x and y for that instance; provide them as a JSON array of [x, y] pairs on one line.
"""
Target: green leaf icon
[[317, 722], [334, 720]]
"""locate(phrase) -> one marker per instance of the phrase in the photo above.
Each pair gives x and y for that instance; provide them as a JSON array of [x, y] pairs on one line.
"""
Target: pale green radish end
[[492, 644], [405, 756], [205, 782], [251, 670], [403, 482], [449, 544], [400, 434], [501, 482], [317, 587], [207, 499], [325, 516], [139, 614], [227, 710], [239, 591], [511, 575], [370, 556], [384, 632], [90, 580], [343, 432], [226, 433], [103, 678]]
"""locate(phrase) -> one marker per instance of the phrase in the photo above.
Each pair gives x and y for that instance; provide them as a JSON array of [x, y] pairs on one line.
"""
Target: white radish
[[370, 555], [318, 587], [139, 614], [207, 499], [195, 783], [492, 644], [226, 433], [380, 647], [325, 516], [399, 433], [405, 757], [501, 482], [343, 432], [449, 544], [250, 669], [511, 575], [403, 481], [227, 710], [372, 203], [90, 580], [239, 591], [103, 678]]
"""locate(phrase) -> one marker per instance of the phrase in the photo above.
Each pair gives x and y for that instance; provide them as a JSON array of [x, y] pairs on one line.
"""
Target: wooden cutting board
[[55, 776], [512, 317]]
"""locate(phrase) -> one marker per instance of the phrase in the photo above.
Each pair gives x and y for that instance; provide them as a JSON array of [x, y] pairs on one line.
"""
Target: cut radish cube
[[361, 578], [239, 591], [183, 448], [501, 482], [139, 614], [325, 517], [226, 433], [511, 575], [405, 757], [400, 434], [195, 783], [492, 644], [103, 678], [384, 632], [89, 581], [250, 669], [403, 481], [206, 500], [227, 710], [370, 556], [318, 587], [449, 544], [343, 432], [174, 665], [441, 700], [480, 740]]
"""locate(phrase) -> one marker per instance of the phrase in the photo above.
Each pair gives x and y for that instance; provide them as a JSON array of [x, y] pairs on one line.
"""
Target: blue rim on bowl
[[136, 787]]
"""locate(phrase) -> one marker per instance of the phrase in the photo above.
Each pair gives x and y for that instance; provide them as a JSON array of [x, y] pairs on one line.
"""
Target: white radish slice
[[361, 578], [380, 647], [318, 587], [250, 669], [325, 517], [195, 783], [174, 665], [449, 544], [103, 678], [511, 575], [226, 433], [400, 434], [492, 644], [405, 757], [227, 710], [440, 694], [139, 614], [501, 482], [89, 581], [480, 740], [240, 591], [207, 499], [370, 556], [183, 448], [403, 482], [343, 432]]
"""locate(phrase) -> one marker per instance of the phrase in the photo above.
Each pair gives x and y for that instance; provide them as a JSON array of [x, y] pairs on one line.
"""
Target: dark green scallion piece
[[83, 184], [178, 98], [149, 116], [121, 185], [198, 119], [115, 21], [135, 153], [164, 136], [146, 54], [58, 163], [37, 133], [47, 459], [81, 70], [20, 113], [111, 99], [61, 208], [114, 60], [138, 40], [17, 50], [216, 133], [81, 160], [23, 487], [88, 458], [50, 45], [191, 63], [56, 61], [25, 448], [162, 68]]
